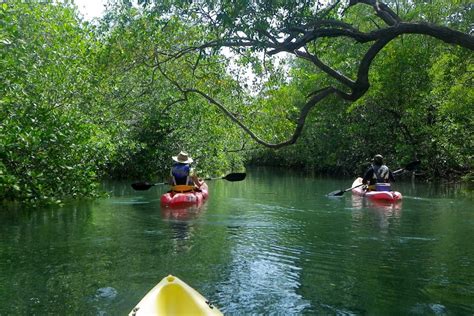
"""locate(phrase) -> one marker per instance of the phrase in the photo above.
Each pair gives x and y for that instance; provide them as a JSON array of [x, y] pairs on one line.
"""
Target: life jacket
[[381, 173], [180, 174]]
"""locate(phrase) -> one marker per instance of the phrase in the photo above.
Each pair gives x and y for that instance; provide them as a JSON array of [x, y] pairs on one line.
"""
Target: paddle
[[142, 186], [409, 167], [341, 192], [238, 176]]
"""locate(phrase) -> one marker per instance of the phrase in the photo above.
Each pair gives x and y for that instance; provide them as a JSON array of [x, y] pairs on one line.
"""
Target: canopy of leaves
[[339, 81]]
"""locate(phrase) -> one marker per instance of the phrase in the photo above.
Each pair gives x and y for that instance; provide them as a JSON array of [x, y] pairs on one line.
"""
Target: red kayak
[[184, 195], [390, 196]]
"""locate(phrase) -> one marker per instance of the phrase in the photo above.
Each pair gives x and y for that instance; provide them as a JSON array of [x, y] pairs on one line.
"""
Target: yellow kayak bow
[[174, 297]]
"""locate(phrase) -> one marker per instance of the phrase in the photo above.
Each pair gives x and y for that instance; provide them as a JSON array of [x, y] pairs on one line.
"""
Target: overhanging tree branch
[[322, 94], [332, 72], [294, 39]]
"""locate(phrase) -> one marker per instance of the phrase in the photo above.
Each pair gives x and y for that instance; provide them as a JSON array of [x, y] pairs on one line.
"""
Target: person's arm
[[368, 175], [391, 177], [195, 179], [170, 178]]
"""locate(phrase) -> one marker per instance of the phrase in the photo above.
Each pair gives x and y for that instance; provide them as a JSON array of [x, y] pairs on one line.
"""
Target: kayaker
[[377, 173], [181, 171]]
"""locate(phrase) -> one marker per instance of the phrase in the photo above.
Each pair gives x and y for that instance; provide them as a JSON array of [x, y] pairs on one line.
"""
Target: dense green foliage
[[80, 101], [405, 116], [160, 120], [419, 106], [52, 144]]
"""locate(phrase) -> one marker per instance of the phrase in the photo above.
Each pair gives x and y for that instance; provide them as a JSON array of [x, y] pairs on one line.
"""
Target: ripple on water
[[264, 263], [257, 273], [408, 239]]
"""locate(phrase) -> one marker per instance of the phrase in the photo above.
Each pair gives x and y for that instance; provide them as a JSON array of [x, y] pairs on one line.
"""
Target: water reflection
[[182, 213], [181, 221], [262, 273], [273, 244], [359, 202], [384, 212]]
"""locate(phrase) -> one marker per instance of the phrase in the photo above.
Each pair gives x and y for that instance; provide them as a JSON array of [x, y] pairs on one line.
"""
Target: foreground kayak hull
[[389, 196], [185, 199], [173, 297]]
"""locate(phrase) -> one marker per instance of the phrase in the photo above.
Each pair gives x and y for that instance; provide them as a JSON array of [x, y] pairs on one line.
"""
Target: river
[[271, 244]]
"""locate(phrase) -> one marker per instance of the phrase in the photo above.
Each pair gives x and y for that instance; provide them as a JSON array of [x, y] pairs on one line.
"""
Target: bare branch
[[333, 73], [381, 9], [328, 10], [268, 35], [300, 122], [362, 82], [169, 105], [442, 33]]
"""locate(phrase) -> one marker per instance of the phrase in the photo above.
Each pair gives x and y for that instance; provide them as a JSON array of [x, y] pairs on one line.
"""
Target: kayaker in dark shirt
[[181, 171], [377, 173]]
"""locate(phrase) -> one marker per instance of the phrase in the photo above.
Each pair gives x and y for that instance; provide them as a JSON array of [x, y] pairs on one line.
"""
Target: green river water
[[271, 244]]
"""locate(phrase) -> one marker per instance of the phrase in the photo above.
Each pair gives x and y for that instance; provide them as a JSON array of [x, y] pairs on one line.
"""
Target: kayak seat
[[182, 188], [379, 187], [382, 187]]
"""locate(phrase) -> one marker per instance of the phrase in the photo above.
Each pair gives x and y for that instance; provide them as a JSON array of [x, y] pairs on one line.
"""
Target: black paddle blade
[[239, 176], [141, 186], [412, 165], [336, 193]]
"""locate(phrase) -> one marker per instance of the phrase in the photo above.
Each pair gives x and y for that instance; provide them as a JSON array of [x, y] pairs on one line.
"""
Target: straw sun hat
[[182, 157]]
